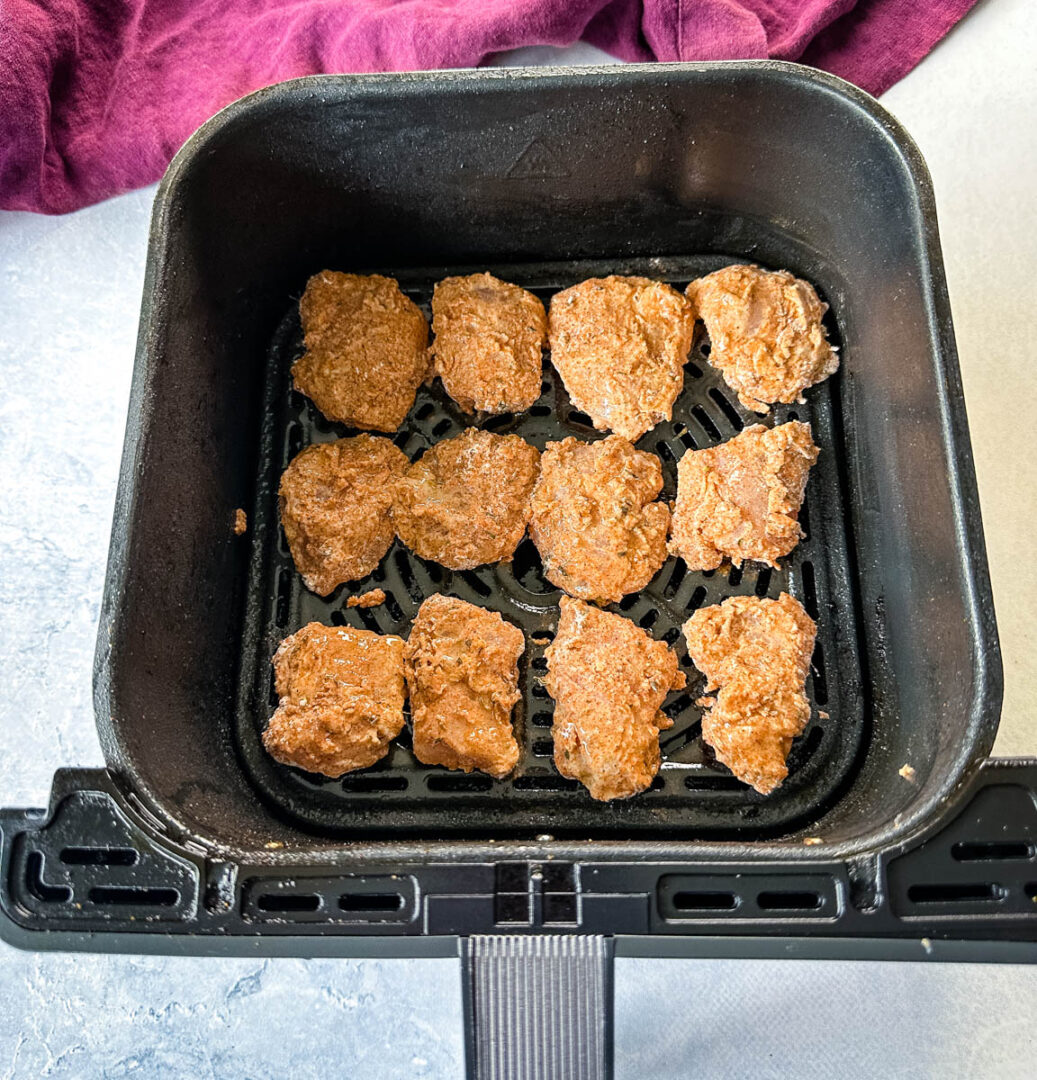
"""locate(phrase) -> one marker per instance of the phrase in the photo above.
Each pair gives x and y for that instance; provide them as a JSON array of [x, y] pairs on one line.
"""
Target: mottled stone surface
[[822, 1019], [72, 1017]]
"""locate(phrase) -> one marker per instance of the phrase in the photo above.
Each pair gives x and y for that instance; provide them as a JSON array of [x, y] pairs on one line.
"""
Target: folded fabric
[[96, 97]]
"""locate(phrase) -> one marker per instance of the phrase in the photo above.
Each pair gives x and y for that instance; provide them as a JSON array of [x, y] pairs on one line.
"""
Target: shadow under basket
[[893, 828]]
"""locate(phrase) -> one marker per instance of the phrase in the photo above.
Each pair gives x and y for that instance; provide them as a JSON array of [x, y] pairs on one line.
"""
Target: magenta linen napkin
[[97, 95]]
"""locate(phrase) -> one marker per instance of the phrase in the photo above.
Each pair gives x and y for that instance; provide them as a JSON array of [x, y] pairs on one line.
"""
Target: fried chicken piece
[[466, 501], [342, 695], [598, 531], [765, 333], [608, 679], [773, 639], [488, 344], [335, 508], [366, 349], [758, 653], [740, 500], [620, 345], [462, 672]]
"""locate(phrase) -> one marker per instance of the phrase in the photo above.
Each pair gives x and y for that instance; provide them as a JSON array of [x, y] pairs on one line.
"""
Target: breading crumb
[[240, 522], [812, 841], [907, 772], [371, 598]]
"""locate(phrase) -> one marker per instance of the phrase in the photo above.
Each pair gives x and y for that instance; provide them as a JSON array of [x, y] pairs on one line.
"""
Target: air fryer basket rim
[[988, 674]]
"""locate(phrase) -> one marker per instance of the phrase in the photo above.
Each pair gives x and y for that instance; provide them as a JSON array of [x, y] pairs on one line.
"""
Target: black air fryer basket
[[894, 834]]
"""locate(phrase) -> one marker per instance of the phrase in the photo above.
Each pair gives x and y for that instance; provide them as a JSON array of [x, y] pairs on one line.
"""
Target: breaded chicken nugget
[[620, 345], [740, 500], [466, 501], [765, 333], [366, 349], [462, 672], [757, 652], [335, 508], [608, 678], [598, 532], [488, 343], [342, 695]]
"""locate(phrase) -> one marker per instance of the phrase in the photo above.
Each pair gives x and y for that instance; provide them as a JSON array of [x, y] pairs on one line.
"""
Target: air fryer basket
[[192, 840]]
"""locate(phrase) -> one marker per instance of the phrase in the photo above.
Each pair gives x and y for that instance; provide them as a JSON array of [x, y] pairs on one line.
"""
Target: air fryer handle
[[538, 1006]]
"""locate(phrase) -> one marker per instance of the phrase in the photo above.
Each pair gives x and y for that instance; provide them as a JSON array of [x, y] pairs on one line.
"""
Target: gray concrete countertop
[[69, 295]]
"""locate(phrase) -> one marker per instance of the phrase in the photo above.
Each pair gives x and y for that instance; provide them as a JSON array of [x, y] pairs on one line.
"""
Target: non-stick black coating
[[691, 793]]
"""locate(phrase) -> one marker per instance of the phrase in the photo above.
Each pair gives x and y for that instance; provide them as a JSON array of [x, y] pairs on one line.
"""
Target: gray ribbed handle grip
[[539, 1007]]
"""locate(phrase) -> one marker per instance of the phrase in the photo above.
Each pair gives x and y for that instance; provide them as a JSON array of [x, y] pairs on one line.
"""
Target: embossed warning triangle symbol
[[537, 162]]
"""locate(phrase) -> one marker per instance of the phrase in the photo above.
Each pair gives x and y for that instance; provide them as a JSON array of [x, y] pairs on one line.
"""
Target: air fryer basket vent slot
[[993, 850], [705, 901], [133, 894], [951, 893], [370, 902], [94, 856]]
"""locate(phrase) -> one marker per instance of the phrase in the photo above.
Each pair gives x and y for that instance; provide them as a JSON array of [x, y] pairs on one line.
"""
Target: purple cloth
[[97, 95]]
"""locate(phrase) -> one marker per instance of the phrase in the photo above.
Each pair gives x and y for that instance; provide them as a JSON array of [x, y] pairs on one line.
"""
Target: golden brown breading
[[342, 695], [371, 598], [462, 672], [608, 679], [335, 508], [620, 345], [765, 333], [740, 500], [366, 349], [466, 501], [488, 344], [758, 653], [751, 728], [598, 532]]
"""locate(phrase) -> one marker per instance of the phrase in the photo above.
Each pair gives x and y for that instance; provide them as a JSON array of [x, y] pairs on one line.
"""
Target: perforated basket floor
[[692, 795]]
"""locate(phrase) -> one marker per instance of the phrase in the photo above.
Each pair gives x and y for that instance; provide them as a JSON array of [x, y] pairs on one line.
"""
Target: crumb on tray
[[240, 522], [371, 598]]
